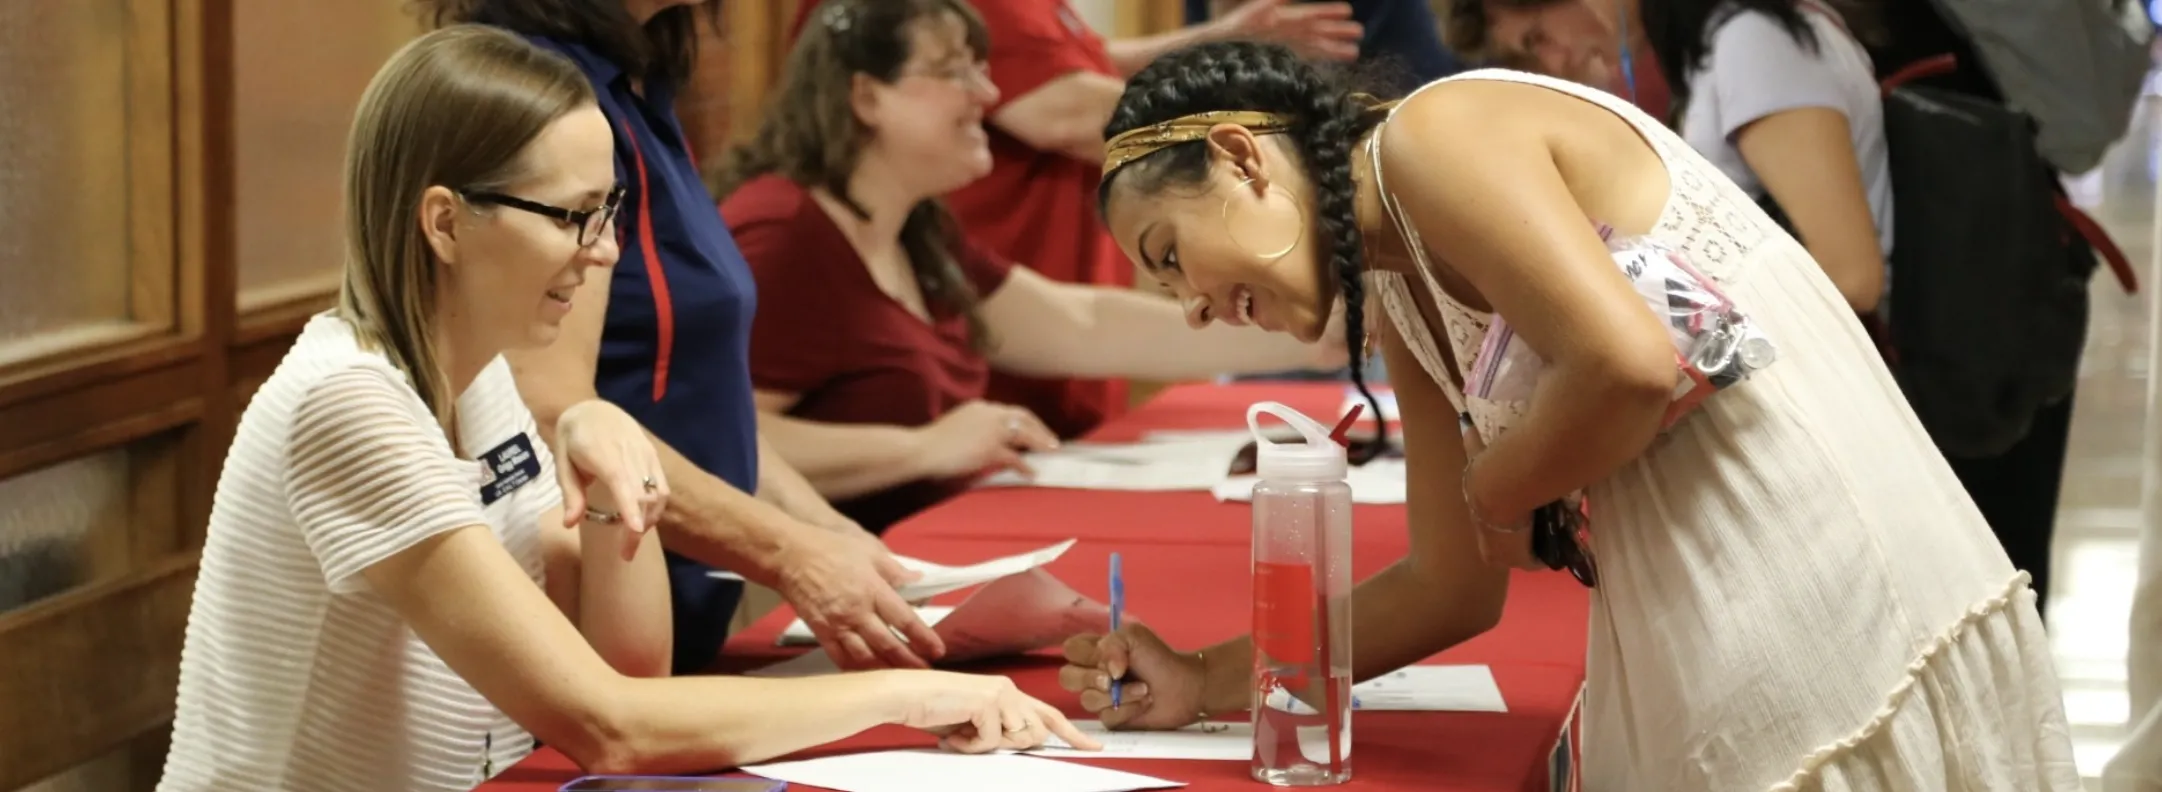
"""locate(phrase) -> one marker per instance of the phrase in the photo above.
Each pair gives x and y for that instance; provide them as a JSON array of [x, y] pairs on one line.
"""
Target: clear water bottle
[[1302, 605]]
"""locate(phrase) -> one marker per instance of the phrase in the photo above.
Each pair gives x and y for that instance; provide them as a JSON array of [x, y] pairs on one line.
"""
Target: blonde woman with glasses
[[391, 595]]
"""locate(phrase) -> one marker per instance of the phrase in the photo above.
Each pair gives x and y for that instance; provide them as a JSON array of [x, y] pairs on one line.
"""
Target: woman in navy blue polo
[[667, 339]]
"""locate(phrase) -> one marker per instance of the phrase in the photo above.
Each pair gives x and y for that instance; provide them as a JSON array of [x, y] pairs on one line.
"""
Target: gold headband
[[1140, 142]]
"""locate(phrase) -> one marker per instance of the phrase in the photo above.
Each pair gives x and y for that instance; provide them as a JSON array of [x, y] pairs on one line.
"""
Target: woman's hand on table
[[980, 713], [843, 586], [610, 468], [1160, 688], [982, 437]]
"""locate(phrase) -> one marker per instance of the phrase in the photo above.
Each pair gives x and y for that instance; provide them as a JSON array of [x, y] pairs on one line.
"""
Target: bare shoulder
[[1459, 118], [1468, 130], [1470, 114]]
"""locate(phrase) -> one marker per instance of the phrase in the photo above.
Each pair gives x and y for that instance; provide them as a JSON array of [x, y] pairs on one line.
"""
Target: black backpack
[[1987, 307]]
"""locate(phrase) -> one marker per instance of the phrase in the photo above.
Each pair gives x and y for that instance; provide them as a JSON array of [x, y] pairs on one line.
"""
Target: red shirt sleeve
[[795, 345], [1036, 41]]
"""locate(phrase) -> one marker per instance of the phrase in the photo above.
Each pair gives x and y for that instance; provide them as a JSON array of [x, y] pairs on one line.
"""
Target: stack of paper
[[1379, 481], [940, 771]]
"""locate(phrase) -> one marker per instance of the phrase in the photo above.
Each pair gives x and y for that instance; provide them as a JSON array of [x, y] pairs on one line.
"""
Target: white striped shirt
[[296, 675]]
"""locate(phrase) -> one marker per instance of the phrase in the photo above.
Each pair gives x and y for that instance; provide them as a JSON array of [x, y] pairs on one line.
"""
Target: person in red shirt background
[[1057, 81], [880, 323]]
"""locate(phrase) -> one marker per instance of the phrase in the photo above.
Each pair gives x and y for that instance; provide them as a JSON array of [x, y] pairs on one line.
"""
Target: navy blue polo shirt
[[1402, 32], [675, 352]]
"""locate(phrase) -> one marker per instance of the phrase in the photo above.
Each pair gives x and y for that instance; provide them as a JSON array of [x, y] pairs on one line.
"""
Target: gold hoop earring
[[1266, 256]]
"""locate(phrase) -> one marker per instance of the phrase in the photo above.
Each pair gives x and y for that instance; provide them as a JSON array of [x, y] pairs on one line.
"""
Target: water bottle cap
[[1318, 458]]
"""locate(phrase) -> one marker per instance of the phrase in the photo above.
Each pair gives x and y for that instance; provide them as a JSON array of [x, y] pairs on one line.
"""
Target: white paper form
[[1012, 615], [1226, 742], [1158, 464], [1462, 688], [1434, 688], [942, 771], [797, 633], [939, 579], [1381, 481]]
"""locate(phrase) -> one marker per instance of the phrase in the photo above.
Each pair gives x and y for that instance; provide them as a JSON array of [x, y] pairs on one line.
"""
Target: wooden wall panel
[[131, 423], [1148, 17], [102, 671]]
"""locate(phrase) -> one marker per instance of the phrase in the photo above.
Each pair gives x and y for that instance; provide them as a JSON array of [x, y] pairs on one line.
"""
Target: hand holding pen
[[1130, 679]]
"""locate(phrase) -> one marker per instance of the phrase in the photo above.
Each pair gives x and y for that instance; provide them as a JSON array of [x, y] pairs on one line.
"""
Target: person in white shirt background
[[391, 595]]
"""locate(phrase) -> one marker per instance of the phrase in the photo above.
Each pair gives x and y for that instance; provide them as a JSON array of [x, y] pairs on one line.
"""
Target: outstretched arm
[[706, 518], [1043, 328]]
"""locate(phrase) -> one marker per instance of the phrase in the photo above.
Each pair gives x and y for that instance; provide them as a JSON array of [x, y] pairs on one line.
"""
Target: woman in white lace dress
[[1793, 590]]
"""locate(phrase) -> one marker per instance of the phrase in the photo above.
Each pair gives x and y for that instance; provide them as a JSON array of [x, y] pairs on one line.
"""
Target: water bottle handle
[[1313, 431]]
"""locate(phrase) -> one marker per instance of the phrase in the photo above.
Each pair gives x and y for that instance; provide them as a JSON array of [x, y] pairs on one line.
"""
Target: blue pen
[[1118, 604]]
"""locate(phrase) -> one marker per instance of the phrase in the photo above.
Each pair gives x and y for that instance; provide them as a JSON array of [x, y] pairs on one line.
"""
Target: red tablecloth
[[1185, 559]]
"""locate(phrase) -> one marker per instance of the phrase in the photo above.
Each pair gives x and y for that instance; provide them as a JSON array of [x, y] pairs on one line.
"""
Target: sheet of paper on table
[[1212, 741], [1012, 615], [1431, 688], [939, 579], [941, 771], [1380, 481], [1459, 688], [1166, 463], [798, 633]]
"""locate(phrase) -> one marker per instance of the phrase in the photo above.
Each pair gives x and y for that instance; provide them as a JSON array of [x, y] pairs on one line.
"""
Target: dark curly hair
[[1327, 118]]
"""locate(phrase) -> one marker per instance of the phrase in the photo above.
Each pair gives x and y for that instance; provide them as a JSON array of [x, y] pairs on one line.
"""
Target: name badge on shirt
[[507, 467]]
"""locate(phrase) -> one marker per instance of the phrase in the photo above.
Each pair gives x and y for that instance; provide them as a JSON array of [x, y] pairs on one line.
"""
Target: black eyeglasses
[[590, 222]]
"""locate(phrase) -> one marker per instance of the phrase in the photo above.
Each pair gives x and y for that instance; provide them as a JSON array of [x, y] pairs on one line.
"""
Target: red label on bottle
[[1284, 611]]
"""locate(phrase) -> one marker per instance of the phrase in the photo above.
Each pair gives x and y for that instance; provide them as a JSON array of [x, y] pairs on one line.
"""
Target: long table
[[1185, 558]]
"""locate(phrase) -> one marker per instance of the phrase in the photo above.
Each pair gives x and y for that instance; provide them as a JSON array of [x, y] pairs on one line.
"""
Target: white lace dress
[[1795, 593]]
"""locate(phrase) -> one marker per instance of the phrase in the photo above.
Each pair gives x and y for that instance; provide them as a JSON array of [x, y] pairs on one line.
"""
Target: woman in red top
[[878, 325]]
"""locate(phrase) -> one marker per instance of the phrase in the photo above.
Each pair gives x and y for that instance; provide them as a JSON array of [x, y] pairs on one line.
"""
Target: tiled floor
[[2099, 516]]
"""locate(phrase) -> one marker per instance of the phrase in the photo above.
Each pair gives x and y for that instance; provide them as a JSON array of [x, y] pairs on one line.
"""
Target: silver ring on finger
[[1013, 427], [651, 485], [596, 515]]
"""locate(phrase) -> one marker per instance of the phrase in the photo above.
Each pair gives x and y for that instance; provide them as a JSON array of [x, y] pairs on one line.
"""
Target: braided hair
[[1326, 117]]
